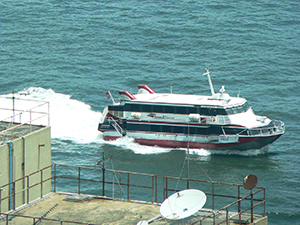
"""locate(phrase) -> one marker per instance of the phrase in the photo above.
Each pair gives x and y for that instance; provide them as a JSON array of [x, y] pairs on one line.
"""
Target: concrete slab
[[17, 132], [86, 210], [63, 208]]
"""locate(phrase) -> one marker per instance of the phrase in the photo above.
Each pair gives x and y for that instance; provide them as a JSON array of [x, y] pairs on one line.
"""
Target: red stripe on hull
[[245, 143], [173, 144], [110, 138]]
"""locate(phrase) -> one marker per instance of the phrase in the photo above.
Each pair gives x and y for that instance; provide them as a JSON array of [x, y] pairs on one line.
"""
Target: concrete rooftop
[[86, 209]]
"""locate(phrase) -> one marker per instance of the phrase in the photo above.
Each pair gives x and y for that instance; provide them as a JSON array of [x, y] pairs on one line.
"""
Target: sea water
[[71, 53]]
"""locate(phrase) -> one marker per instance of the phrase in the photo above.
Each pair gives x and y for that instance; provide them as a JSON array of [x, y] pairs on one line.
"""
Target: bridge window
[[238, 109]]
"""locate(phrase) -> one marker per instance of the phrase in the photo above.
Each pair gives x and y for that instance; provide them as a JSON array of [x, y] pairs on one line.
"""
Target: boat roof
[[218, 100]]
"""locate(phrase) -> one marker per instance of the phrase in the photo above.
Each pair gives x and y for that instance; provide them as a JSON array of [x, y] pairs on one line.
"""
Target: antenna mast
[[209, 80]]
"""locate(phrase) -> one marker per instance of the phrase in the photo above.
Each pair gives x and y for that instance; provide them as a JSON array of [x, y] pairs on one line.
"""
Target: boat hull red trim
[[110, 138], [245, 143]]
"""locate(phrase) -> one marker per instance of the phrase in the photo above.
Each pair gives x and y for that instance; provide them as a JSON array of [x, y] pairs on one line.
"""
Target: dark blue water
[[71, 52]]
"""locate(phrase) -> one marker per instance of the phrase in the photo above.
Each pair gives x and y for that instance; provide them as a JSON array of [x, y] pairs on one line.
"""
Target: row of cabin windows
[[183, 129], [175, 129], [167, 109], [179, 109]]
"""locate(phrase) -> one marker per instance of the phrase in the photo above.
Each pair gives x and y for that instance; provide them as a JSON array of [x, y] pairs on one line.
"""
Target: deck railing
[[275, 128], [117, 127]]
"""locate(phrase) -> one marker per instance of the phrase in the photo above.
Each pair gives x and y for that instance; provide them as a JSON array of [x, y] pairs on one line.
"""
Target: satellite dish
[[182, 204], [250, 181], [142, 222]]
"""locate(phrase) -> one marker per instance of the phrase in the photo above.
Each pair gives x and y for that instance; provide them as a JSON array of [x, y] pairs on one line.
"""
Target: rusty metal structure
[[131, 186]]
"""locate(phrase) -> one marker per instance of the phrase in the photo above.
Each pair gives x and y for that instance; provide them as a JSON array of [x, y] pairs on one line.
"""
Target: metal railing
[[117, 127], [38, 220], [212, 190], [277, 127], [222, 119], [26, 187], [15, 121], [122, 179], [125, 185]]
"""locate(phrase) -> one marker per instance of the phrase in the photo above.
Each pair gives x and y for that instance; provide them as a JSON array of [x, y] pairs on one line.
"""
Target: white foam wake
[[129, 143], [70, 119]]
